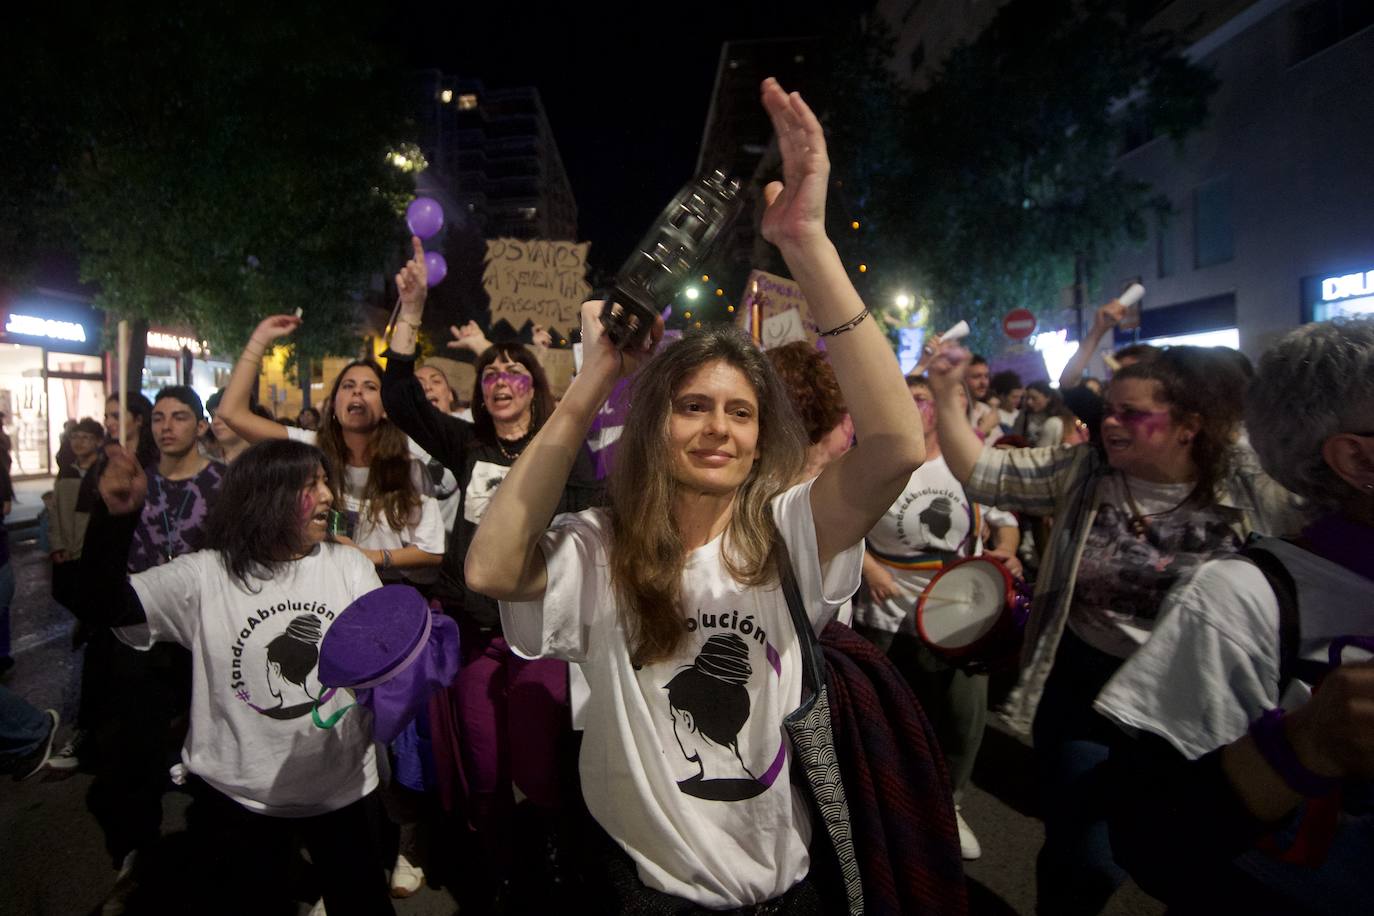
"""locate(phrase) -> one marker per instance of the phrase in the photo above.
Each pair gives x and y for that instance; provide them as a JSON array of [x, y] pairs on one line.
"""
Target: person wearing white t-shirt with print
[[252, 609], [669, 598], [933, 523], [384, 492]]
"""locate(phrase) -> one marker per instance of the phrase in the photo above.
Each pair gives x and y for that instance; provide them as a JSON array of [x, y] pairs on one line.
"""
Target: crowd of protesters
[[631, 728]]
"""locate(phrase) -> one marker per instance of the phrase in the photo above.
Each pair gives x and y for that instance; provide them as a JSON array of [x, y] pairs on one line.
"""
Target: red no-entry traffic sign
[[1019, 324]]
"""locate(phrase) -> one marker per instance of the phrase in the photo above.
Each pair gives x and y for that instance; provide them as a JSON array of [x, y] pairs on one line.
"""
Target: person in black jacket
[[511, 712]]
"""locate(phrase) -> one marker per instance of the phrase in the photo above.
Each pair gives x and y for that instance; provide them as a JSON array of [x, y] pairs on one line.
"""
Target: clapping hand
[[123, 484], [796, 205]]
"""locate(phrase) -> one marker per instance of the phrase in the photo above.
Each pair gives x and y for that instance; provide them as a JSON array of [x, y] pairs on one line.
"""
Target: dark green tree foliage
[[209, 166], [1002, 172]]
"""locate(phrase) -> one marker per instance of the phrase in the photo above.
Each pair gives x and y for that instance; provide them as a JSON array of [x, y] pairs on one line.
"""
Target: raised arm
[[1106, 318], [854, 491], [100, 594], [436, 432], [234, 407], [958, 442], [504, 560]]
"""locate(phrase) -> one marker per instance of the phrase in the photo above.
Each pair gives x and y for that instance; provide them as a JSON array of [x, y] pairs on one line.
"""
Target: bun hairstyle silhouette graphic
[[710, 704]]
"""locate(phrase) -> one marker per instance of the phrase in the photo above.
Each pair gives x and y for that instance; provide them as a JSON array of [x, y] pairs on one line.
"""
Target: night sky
[[626, 87]]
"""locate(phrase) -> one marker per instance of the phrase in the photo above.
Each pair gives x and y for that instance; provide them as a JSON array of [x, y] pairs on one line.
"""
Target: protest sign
[[774, 296], [536, 280], [558, 367]]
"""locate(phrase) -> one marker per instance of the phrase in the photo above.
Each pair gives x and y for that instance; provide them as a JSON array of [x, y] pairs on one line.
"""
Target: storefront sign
[[1338, 296], [1347, 286], [42, 319], [33, 326], [171, 343]]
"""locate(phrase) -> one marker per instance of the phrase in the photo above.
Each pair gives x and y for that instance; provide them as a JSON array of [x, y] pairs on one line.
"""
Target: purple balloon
[[424, 216], [436, 268]]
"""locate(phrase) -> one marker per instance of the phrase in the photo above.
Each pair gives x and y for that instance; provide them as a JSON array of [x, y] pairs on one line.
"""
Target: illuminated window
[[467, 101]]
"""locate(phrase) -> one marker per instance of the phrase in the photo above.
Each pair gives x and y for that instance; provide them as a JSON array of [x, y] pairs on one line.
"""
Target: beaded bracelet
[[1272, 742], [849, 325]]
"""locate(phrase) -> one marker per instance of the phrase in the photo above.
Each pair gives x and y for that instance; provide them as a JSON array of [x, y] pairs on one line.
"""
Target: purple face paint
[[518, 384], [1146, 421], [927, 409]]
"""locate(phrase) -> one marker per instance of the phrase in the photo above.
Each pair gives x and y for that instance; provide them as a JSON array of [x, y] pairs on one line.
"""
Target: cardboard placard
[[774, 296], [558, 366], [782, 328], [536, 280]]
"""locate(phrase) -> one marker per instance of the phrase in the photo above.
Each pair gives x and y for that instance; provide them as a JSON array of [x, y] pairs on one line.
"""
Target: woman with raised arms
[[687, 772]]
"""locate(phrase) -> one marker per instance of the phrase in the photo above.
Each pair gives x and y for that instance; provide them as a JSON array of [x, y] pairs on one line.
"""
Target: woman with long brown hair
[[681, 572], [381, 487]]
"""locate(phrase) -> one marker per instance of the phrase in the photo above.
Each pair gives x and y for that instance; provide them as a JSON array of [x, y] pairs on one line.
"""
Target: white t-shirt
[[1211, 667], [715, 819], [254, 677], [441, 482], [424, 529], [930, 518]]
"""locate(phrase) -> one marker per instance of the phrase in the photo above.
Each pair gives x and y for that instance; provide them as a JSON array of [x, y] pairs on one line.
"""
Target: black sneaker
[[34, 762]]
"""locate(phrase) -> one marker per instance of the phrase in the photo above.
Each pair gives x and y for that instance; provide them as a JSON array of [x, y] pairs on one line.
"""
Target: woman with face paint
[[1133, 516], [511, 713], [252, 609]]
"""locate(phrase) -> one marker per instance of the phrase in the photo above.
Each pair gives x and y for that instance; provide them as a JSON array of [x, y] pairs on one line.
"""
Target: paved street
[[52, 861]]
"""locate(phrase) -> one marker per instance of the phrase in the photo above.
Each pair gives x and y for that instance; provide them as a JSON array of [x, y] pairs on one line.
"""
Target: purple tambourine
[[393, 652]]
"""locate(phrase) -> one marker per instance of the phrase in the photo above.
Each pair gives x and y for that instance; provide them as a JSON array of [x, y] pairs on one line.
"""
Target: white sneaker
[[406, 878], [66, 757], [968, 843]]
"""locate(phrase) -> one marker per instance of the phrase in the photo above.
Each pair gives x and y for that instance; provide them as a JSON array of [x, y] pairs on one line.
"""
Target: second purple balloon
[[436, 268]]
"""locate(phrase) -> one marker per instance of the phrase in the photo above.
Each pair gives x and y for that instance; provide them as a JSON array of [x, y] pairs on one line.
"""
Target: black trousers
[[133, 705], [244, 859]]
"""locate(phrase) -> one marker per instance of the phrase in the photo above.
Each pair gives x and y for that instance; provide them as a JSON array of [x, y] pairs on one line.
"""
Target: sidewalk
[[28, 502]]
